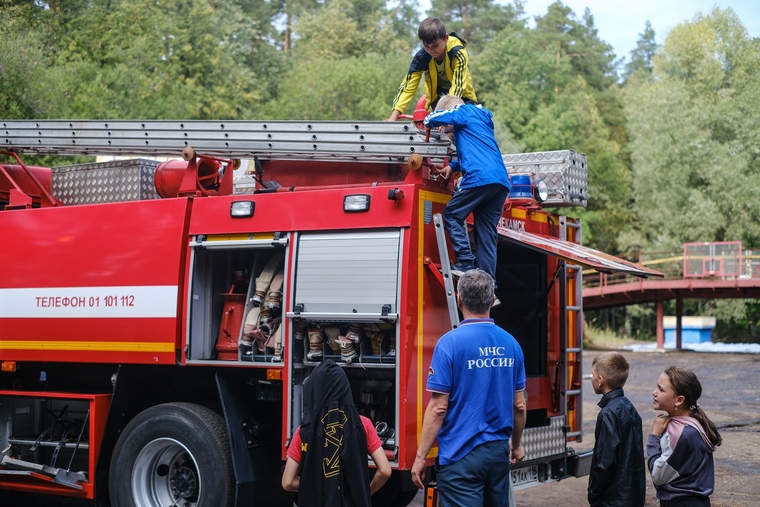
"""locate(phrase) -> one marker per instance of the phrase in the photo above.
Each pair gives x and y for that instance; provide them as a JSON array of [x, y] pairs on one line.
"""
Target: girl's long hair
[[686, 384]]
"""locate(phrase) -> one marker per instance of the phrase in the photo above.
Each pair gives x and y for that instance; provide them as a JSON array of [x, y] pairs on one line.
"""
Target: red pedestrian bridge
[[703, 271]]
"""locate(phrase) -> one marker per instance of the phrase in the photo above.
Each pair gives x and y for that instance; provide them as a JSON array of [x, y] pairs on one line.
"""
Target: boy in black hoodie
[[618, 471], [327, 457]]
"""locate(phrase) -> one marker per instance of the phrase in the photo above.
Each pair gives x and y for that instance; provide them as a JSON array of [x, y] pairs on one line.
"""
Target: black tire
[[173, 454]]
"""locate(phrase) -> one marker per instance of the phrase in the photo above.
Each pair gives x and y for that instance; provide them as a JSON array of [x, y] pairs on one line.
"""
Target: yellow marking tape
[[91, 346]]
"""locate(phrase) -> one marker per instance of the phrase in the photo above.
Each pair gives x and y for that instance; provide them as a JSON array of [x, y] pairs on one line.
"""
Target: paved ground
[[731, 383]]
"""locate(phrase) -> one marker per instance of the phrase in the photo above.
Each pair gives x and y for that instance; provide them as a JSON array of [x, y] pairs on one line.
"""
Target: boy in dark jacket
[[618, 471]]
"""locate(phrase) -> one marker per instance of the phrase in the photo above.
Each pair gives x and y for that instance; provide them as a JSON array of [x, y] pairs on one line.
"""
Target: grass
[[604, 339]]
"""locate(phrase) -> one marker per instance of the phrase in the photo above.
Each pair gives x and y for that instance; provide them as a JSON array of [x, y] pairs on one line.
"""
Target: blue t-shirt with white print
[[480, 366]]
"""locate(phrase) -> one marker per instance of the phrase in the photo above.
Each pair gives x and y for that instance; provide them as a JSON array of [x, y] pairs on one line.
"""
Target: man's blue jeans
[[486, 204], [480, 478]]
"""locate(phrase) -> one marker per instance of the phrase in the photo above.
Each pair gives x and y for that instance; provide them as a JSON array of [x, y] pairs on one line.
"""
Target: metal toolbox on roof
[[112, 181], [565, 172]]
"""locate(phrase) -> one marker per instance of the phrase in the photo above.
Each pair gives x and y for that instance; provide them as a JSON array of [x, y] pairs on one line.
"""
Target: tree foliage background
[[672, 132]]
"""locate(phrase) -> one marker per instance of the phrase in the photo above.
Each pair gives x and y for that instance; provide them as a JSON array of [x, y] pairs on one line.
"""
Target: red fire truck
[[157, 320]]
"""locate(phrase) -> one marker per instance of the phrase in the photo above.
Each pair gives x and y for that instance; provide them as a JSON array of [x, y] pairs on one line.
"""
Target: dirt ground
[[730, 388]]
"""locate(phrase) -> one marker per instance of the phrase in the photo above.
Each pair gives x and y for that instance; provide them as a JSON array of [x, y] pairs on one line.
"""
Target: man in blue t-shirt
[[477, 381], [484, 186]]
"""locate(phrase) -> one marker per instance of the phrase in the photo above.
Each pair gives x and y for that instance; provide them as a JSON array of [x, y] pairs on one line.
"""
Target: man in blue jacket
[[484, 186]]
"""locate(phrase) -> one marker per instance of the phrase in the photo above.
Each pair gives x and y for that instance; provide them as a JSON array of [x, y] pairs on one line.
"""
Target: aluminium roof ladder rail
[[378, 141]]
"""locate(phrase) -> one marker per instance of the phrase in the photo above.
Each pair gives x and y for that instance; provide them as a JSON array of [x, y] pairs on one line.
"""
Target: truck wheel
[[172, 454]]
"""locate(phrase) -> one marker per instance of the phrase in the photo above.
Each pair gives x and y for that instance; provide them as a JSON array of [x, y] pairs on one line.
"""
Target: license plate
[[524, 475]]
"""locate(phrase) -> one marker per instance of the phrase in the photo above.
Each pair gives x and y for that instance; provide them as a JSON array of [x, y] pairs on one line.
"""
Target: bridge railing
[[718, 261]]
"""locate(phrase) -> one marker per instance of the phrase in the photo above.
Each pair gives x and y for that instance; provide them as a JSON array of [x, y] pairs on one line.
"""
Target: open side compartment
[[345, 308], [50, 441], [237, 299]]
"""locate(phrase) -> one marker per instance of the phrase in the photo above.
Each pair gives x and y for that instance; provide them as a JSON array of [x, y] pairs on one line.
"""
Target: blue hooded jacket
[[478, 155]]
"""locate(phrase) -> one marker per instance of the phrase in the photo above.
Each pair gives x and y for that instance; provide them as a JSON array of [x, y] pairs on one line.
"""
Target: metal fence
[[722, 259], [717, 260]]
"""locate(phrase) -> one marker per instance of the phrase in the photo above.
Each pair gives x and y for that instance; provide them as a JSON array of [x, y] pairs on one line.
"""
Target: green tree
[[146, 59], [405, 17], [345, 65], [347, 28], [553, 88], [576, 43], [477, 21], [290, 12], [695, 132], [27, 83], [641, 56], [353, 88], [253, 43], [694, 137]]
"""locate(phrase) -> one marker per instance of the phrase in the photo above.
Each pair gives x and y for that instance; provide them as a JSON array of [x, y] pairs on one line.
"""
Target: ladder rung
[[574, 350], [574, 308], [573, 392]]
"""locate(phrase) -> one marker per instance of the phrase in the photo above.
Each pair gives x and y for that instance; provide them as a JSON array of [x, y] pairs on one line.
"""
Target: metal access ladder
[[379, 142], [448, 279], [571, 318]]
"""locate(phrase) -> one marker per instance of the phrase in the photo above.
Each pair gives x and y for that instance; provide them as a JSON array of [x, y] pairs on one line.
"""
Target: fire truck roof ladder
[[378, 142], [448, 281]]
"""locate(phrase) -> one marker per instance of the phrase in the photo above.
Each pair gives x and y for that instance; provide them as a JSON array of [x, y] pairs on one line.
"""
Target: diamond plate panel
[[546, 440], [99, 182], [565, 172]]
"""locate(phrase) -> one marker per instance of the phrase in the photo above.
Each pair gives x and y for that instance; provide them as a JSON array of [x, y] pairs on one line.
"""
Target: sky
[[621, 21]]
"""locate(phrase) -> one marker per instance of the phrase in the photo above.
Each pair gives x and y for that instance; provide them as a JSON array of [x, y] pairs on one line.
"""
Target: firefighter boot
[[354, 333], [273, 299], [276, 341], [376, 340], [333, 333], [347, 343], [251, 325], [347, 350], [316, 339], [265, 279], [299, 329], [392, 342], [392, 347]]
